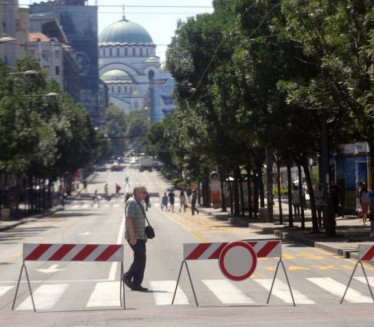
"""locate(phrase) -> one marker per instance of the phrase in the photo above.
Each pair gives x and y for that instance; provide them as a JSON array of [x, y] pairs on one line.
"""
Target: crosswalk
[[222, 291]]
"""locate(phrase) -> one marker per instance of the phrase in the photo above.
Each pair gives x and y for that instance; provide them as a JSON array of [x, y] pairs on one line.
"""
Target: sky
[[158, 17]]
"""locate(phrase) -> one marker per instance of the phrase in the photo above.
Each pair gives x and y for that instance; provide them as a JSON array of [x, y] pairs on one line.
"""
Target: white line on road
[[282, 291], [336, 288], [45, 297], [105, 295], [227, 292], [163, 292]]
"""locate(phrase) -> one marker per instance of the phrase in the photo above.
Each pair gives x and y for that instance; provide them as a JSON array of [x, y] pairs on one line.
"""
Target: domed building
[[127, 64]]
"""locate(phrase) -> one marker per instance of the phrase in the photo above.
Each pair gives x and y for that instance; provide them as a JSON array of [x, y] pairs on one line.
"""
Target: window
[[133, 52], [141, 52], [110, 52], [118, 54], [104, 53], [57, 70], [126, 52], [119, 89]]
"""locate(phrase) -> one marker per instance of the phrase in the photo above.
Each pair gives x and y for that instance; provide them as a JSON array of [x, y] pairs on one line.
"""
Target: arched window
[[118, 54], [151, 74], [104, 54], [141, 52], [147, 51], [119, 89], [110, 52], [126, 52], [133, 52]]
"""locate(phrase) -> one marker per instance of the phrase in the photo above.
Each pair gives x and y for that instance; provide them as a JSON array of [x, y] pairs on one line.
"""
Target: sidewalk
[[350, 231]]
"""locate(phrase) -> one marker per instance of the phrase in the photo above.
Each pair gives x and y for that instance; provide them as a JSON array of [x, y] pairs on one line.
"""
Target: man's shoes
[[127, 281], [139, 288]]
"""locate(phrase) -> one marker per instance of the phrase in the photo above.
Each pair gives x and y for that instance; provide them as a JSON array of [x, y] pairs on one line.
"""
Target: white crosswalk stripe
[[282, 291], [106, 293], [163, 292], [363, 280], [337, 289], [227, 292], [5, 289], [45, 297]]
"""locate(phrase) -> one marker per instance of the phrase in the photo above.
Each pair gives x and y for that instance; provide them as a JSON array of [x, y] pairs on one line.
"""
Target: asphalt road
[[88, 293]]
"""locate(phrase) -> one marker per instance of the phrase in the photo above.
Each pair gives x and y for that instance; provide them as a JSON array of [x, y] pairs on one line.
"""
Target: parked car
[[99, 168]]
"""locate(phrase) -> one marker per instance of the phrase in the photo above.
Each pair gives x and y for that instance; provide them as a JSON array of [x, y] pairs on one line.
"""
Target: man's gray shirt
[[135, 213]]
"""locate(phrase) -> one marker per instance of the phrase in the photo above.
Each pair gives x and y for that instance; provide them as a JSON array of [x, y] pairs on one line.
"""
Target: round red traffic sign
[[237, 261]]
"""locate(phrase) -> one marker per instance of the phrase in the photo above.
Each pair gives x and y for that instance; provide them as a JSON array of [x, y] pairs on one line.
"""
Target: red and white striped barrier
[[72, 253], [365, 253], [206, 251], [237, 260]]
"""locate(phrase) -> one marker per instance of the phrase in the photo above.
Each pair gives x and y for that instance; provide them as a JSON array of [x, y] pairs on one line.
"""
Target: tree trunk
[[290, 216]]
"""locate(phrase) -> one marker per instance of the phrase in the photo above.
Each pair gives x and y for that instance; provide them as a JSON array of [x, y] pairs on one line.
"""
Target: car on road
[[116, 167], [157, 165], [99, 168]]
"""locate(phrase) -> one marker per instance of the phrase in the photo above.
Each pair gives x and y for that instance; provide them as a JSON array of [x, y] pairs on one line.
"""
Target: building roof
[[124, 31], [116, 76], [38, 37]]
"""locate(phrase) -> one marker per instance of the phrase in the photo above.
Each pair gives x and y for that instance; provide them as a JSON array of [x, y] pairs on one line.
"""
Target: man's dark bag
[[149, 231]]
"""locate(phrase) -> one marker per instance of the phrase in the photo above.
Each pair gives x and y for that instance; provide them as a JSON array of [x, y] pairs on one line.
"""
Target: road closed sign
[[238, 261]]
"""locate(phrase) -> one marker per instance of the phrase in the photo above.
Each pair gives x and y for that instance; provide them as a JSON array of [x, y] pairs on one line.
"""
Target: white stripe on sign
[[227, 292], [5, 289], [163, 292], [363, 280], [105, 295], [338, 289], [45, 297], [282, 291]]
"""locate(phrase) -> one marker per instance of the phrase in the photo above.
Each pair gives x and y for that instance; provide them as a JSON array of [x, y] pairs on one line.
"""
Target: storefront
[[351, 169]]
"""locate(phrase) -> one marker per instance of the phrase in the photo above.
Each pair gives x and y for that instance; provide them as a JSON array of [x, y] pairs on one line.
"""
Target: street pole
[[329, 215]]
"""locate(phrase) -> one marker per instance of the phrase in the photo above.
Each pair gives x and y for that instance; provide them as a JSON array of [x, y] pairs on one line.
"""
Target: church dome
[[116, 76], [124, 31]]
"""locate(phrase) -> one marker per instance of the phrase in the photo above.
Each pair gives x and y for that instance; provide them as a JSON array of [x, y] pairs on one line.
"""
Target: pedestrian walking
[[164, 202], [371, 212], [135, 236], [364, 202], [296, 201], [147, 202], [171, 200], [182, 201], [320, 204], [95, 199], [335, 197], [118, 188], [61, 195], [106, 191], [84, 185], [193, 202]]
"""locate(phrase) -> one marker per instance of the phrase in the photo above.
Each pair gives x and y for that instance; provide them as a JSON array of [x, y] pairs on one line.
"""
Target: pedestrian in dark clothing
[[171, 200], [193, 203], [147, 203]]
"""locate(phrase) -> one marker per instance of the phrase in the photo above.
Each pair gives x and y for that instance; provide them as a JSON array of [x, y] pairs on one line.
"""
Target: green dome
[[124, 31], [116, 76]]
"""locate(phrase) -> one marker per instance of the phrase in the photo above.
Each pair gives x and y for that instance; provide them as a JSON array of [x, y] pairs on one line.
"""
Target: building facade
[[127, 64], [77, 23]]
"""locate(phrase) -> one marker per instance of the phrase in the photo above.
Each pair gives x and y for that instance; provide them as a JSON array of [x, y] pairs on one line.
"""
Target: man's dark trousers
[[137, 268]]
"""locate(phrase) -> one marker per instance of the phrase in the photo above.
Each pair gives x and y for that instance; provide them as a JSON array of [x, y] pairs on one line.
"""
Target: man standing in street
[[135, 236]]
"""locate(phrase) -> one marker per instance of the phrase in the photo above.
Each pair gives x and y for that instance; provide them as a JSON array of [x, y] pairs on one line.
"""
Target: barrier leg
[[176, 286], [189, 276], [122, 289], [350, 279], [193, 289], [29, 285], [288, 282]]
